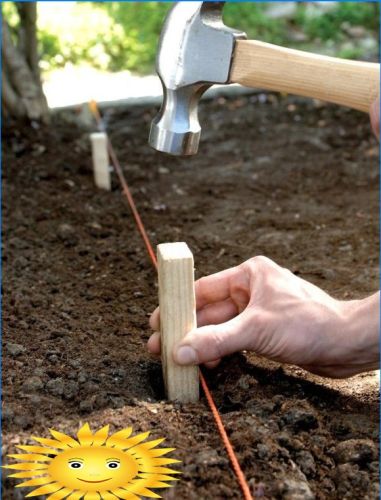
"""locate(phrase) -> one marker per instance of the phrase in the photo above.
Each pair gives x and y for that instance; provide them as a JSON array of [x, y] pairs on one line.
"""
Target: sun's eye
[[113, 465], [75, 465]]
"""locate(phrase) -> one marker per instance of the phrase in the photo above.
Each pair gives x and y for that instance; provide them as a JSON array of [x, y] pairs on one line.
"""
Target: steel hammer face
[[195, 52]]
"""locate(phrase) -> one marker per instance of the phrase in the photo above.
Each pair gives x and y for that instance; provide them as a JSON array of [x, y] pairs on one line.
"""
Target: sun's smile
[[132, 465], [101, 481]]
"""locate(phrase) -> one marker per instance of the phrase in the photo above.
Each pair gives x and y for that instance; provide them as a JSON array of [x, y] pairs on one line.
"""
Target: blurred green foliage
[[329, 26], [124, 35], [141, 24], [251, 18]]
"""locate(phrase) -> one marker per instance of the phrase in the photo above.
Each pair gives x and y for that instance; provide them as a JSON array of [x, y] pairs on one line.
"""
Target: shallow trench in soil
[[294, 180]]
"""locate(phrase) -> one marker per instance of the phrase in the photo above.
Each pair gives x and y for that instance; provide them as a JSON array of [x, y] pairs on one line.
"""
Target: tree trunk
[[22, 95], [28, 35]]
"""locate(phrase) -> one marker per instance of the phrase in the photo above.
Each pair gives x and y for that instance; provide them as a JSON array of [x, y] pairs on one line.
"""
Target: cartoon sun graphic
[[97, 466]]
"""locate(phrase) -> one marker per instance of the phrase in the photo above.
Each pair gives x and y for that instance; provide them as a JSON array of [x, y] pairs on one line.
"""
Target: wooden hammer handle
[[348, 83]]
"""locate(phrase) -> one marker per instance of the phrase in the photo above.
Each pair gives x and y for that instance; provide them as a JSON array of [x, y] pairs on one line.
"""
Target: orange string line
[[126, 191], [225, 439], [131, 202]]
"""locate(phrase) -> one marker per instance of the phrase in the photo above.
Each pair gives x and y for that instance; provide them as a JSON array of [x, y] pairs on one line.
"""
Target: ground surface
[[295, 181]]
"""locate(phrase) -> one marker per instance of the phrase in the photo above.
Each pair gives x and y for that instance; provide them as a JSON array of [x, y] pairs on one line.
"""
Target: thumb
[[211, 342]]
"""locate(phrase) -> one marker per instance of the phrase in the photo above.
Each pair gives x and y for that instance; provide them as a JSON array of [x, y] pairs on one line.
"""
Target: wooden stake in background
[[101, 162], [177, 317]]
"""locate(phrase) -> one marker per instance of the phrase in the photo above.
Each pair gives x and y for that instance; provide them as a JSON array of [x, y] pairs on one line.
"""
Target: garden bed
[[287, 178]]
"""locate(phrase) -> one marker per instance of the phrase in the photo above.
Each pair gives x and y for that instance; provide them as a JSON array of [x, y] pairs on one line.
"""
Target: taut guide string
[[126, 191]]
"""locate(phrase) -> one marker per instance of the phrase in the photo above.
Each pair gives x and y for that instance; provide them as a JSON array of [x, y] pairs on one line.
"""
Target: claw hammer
[[196, 50]]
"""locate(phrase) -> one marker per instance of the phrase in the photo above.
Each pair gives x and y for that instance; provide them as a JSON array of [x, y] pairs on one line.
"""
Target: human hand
[[262, 307], [375, 117]]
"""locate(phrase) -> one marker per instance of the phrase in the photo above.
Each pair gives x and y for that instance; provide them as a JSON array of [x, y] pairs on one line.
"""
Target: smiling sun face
[[93, 469], [97, 466]]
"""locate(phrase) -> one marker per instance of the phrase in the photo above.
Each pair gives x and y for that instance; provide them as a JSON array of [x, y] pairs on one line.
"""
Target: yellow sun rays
[[133, 451]]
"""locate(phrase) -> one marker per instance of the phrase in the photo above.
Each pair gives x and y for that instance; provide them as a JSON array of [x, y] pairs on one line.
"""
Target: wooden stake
[[101, 162], [177, 317]]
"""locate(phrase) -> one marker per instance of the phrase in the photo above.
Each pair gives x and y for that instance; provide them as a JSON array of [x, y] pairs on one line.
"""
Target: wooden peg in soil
[[177, 317], [101, 162]]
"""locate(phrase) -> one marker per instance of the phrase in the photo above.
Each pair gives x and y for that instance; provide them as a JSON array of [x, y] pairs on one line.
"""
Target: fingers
[[154, 320], [214, 306], [214, 288], [153, 344], [375, 117], [214, 314], [212, 342]]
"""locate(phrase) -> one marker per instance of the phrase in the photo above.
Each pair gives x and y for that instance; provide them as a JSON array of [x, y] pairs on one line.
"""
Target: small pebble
[[32, 384], [71, 389], [15, 349], [210, 457], [83, 377], [117, 402], [86, 406], [56, 386], [39, 372], [34, 399], [263, 451], [306, 462], [163, 170], [75, 363], [67, 235], [90, 387], [359, 451], [259, 490], [23, 421], [350, 478], [291, 489], [245, 381], [300, 419], [101, 401], [119, 373]]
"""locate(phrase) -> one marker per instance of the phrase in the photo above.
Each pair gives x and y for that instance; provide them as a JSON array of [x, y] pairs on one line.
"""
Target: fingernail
[[186, 355]]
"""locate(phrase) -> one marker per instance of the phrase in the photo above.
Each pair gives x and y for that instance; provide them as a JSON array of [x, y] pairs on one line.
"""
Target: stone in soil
[[15, 349], [32, 384], [300, 419], [351, 482], [55, 386], [292, 489], [70, 389], [67, 234], [359, 451], [211, 457], [306, 462]]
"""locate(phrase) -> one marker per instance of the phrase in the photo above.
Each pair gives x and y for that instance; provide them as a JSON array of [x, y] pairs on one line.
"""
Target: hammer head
[[195, 51]]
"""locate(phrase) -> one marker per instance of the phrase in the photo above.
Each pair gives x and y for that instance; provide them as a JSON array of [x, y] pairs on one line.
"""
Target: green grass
[[123, 35]]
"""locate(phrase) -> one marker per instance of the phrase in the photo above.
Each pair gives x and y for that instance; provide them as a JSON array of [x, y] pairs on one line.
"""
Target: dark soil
[[294, 180]]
